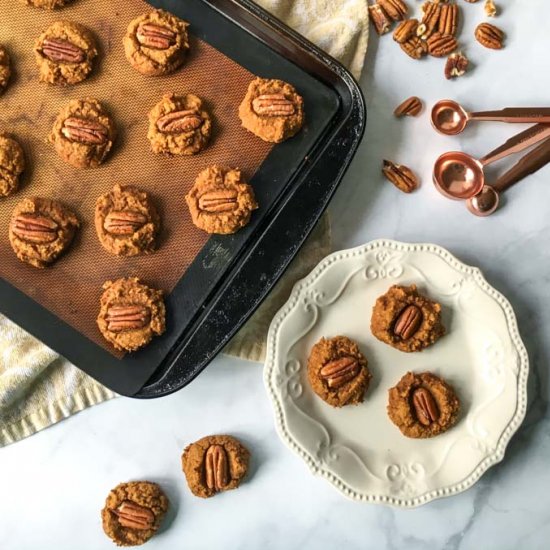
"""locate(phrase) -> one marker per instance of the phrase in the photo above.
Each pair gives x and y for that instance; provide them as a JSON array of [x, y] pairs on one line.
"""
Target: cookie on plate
[[213, 464], [126, 221], [12, 164], [220, 201], [46, 4], [272, 110], [179, 125], [131, 313], [156, 43], [423, 405], [133, 512], [337, 371], [406, 320], [5, 68], [41, 230], [83, 133], [64, 53]]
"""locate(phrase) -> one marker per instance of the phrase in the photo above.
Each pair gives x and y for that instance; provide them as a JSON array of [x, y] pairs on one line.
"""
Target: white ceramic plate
[[358, 449]]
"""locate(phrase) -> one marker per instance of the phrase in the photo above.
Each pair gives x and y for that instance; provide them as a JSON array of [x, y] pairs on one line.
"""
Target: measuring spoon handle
[[529, 164], [514, 114], [518, 143]]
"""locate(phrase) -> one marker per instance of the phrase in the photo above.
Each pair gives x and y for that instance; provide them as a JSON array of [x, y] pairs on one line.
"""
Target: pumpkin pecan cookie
[[337, 371], [12, 164], [64, 53], [41, 230], [130, 314], [133, 512], [220, 201], [179, 125], [213, 464], [126, 221], [423, 405], [156, 43], [83, 133], [47, 4], [5, 68], [406, 320], [272, 110]]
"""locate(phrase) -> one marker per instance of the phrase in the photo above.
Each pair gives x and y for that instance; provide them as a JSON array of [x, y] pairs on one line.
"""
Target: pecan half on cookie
[[179, 125], [406, 320], [64, 53], [423, 405], [220, 201], [131, 313], [133, 512], [41, 230], [213, 464], [156, 43], [272, 110], [337, 371], [83, 133]]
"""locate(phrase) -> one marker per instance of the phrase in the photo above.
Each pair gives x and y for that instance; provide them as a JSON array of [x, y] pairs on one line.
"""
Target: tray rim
[[504, 439]]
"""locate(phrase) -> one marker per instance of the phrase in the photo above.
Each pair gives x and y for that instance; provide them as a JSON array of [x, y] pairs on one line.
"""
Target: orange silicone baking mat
[[72, 286]]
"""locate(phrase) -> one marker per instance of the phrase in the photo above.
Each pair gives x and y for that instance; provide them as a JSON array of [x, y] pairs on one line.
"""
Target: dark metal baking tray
[[232, 274]]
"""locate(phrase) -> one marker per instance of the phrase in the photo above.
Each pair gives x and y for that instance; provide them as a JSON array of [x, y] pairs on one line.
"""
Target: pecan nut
[[380, 19], [490, 36], [127, 317], [430, 19], [36, 229], [440, 45], [134, 516], [273, 105], [424, 406], [217, 468], [448, 19], [221, 200], [340, 371], [405, 30], [155, 36], [410, 107], [124, 222], [408, 322], [62, 51], [401, 176], [415, 47], [84, 130], [396, 9], [456, 65], [490, 8], [179, 122]]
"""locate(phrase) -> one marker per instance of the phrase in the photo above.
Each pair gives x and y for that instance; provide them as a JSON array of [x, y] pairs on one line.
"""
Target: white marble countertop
[[54, 484]]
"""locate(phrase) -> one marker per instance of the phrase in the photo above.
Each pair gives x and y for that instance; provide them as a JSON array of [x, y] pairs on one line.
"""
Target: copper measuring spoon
[[450, 118], [459, 176], [487, 200]]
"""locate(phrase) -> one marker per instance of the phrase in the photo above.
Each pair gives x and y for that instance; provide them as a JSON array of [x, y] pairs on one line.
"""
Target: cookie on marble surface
[[83, 133], [272, 110], [179, 125], [156, 43], [133, 512], [213, 464], [64, 53], [337, 371], [12, 164], [423, 405], [47, 4], [406, 320], [5, 68], [131, 313], [41, 230], [126, 221], [220, 201]]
